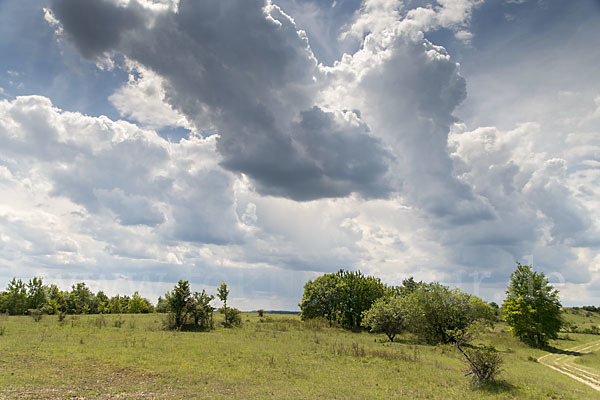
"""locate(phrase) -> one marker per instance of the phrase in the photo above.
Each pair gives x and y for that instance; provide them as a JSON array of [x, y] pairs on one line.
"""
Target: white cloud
[[142, 99]]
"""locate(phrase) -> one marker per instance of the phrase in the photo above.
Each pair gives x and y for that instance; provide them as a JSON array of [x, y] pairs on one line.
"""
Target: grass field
[[277, 356]]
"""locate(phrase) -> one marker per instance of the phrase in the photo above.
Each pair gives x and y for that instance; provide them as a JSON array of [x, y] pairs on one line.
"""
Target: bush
[[438, 314], [233, 317], [35, 314], [260, 312], [484, 363], [386, 316]]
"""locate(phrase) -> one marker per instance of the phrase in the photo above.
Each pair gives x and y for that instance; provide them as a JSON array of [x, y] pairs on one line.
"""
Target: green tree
[[117, 305], [15, 297], [222, 294], [80, 299], [341, 297], [161, 305], [233, 316], [386, 315], [322, 299], [532, 307], [178, 304], [36, 294], [358, 293], [137, 304], [56, 302], [436, 313], [101, 303], [201, 310]]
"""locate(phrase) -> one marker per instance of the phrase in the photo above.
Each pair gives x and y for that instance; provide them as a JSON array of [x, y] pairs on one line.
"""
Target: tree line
[[21, 298]]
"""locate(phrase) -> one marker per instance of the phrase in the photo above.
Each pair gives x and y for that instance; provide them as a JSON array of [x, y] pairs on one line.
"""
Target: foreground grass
[[273, 357]]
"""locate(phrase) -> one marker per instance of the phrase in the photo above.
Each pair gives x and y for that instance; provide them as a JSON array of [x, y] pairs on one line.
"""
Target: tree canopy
[[532, 307], [341, 297]]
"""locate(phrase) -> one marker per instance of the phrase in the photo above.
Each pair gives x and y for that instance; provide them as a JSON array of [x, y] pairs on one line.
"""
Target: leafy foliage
[[532, 307], [484, 363], [341, 297], [178, 304], [386, 315], [437, 314], [201, 310]]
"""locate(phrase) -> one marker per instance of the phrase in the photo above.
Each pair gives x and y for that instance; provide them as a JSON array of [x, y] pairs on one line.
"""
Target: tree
[[341, 297], [201, 310], [178, 300], [532, 307], [321, 298], [79, 300], [161, 305], [137, 304], [36, 295], [386, 315], [358, 293], [56, 302], [15, 297], [233, 316], [436, 313], [222, 293]]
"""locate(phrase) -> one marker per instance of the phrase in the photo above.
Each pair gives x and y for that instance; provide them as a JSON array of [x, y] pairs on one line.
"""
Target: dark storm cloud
[[85, 23], [243, 68]]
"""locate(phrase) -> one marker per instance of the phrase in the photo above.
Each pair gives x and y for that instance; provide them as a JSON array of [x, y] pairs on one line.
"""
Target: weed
[[35, 314], [2, 330], [99, 321]]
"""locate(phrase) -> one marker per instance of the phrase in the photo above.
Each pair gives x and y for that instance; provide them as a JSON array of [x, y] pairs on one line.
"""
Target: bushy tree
[[436, 313], [79, 300], [36, 295], [532, 307], [15, 297], [322, 298], [233, 316], [138, 305], [386, 315], [341, 297], [178, 300], [56, 302], [161, 305], [201, 310]]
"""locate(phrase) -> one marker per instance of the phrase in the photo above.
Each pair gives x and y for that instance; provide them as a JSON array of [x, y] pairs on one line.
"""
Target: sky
[[264, 143]]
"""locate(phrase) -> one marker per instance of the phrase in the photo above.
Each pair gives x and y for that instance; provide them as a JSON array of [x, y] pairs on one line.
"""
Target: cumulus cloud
[[252, 84]]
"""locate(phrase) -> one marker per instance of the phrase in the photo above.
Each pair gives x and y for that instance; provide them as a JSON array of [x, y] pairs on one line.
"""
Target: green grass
[[277, 356]]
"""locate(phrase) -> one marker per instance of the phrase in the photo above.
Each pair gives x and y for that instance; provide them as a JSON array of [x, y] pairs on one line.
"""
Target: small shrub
[[61, 316], [261, 312], [99, 321], [233, 317], [35, 314], [118, 323], [484, 363]]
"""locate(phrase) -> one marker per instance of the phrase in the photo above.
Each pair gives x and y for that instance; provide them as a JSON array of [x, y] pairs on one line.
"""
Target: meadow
[[277, 356]]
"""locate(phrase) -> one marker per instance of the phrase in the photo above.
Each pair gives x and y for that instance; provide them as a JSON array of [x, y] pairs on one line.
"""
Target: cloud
[[142, 99], [252, 84]]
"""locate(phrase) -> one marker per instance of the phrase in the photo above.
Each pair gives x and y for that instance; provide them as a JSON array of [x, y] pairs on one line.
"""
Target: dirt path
[[563, 362]]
